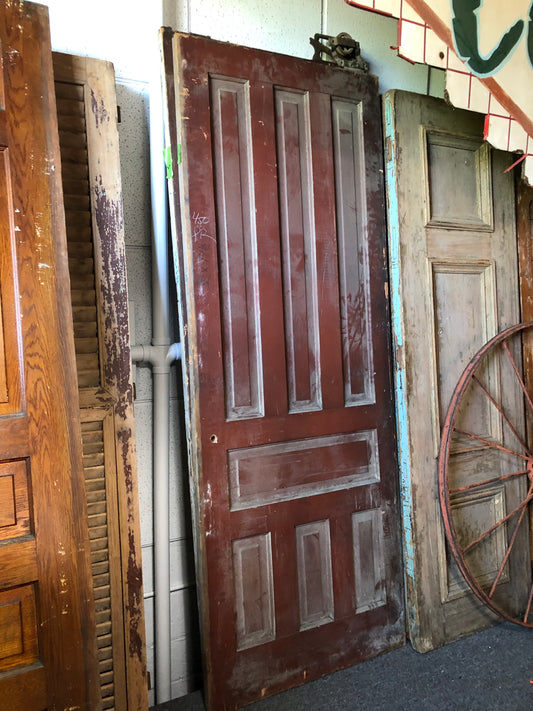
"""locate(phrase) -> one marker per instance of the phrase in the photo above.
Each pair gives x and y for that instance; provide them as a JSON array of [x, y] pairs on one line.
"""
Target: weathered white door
[[453, 261]]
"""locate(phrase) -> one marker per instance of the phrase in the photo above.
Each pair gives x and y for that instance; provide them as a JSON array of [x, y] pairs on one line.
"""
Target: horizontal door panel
[[271, 473], [18, 563], [25, 688]]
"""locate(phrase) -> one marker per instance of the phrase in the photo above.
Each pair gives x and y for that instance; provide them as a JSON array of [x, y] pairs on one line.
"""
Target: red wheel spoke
[[502, 413], [474, 463], [511, 544], [521, 506], [529, 601], [493, 445], [519, 377], [487, 481]]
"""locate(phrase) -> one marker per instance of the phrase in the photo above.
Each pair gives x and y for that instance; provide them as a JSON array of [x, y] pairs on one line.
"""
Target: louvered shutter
[[86, 105]]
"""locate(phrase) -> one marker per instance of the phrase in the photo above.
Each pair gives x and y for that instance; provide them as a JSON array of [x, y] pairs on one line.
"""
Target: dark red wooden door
[[279, 210]]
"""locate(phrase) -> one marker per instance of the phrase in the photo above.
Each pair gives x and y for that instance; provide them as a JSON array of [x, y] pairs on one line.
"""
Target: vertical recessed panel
[[7, 501], [465, 202], [11, 641], [298, 250], [2, 90], [369, 566], [254, 591], [474, 514], [353, 252], [4, 243], [18, 627], [15, 516], [236, 229], [8, 327], [466, 290], [315, 583], [3, 371]]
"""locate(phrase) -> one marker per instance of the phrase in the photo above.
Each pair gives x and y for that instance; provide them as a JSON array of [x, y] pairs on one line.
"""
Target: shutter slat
[[89, 150]]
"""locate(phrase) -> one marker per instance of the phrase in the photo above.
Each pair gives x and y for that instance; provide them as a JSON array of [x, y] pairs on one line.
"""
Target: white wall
[[125, 32]]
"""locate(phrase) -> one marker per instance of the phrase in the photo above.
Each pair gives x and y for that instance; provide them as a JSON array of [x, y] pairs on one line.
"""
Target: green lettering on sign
[[465, 27]]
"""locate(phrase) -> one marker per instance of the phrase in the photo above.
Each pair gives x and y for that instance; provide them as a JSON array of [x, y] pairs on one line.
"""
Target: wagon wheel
[[486, 466]]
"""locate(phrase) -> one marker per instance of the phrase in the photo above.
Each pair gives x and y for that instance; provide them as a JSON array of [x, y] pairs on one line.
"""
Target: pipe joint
[[159, 357]]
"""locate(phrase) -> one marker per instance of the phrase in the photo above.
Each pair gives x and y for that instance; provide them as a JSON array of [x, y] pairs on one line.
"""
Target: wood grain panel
[[237, 241], [18, 627], [468, 289], [298, 250], [272, 473], [484, 510], [254, 591], [7, 501], [14, 500], [19, 562], [10, 337], [349, 160], [369, 564], [4, 204], [315, 583], [466, 202], [3, 368], [2, 88]]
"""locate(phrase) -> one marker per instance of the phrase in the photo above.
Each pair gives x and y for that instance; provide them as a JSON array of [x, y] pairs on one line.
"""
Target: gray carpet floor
[[488, 671]]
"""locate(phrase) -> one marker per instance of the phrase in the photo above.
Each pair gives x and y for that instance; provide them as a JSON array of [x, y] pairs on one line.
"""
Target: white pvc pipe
[[159, 356], [163, 686]]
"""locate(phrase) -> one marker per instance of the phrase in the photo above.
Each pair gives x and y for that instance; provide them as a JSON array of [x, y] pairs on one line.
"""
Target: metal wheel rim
[[444, 453]]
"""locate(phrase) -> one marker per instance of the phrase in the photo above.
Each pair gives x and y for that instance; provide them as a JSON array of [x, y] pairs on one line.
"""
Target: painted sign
[[467, 37], [486, 46]]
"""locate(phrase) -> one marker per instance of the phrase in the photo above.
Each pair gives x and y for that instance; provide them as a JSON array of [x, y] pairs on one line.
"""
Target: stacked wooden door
[[88, 136], [279, 237], [454, 285], [47, 642]]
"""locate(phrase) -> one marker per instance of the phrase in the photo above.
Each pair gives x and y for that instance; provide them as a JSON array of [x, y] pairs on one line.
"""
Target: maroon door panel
[[279, 235]]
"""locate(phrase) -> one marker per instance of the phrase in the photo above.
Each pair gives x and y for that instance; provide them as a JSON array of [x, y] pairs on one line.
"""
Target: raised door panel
[[47, 623], [279, 240], [454, 286]]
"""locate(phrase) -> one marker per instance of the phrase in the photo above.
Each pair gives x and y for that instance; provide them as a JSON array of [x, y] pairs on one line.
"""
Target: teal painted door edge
[[402, 424]]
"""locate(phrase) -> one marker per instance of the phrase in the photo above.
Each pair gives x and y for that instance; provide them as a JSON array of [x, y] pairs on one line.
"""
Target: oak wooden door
[[279, 237], [454, 281], [47, 623], [90, 168]]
